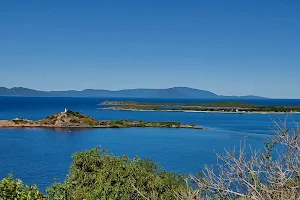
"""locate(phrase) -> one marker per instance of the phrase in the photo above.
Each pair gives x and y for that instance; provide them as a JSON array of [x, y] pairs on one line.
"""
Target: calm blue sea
[[41, 156]]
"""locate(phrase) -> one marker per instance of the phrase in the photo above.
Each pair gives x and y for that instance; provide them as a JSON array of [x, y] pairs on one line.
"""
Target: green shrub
[[14, 189], [75, 121], [89, 121], [95, 174], [21, 121]]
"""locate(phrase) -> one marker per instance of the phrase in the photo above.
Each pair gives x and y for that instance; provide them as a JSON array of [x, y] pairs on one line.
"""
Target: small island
[[219, 107], [70, 119]]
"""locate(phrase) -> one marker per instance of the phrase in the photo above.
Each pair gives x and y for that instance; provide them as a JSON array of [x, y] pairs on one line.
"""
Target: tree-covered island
[[70, 119], [226, 107]]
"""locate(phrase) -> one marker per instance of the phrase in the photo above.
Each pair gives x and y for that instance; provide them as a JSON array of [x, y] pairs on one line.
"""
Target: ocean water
[[41, 156]]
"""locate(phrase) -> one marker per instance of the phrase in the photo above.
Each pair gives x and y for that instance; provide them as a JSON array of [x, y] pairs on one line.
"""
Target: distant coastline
[[195, 111], [214, 107], [168, 93]]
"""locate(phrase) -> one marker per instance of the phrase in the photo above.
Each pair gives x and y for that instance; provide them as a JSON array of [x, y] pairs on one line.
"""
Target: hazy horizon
[[129, 89], [228, 48]]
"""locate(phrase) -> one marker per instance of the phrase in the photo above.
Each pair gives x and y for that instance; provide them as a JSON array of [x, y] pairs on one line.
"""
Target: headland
[[70, 119]]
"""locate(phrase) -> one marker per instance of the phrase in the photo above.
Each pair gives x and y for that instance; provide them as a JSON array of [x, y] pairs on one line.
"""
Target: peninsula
[[70, 119], [222, 107]]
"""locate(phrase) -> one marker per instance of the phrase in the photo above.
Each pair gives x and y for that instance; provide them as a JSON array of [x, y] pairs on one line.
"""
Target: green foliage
[[118, 123], [22, 121], [153, 105], [280, 108], [14, 189], [71, 113], [229, 104], [95, 174], [171, 124], [226, 106]]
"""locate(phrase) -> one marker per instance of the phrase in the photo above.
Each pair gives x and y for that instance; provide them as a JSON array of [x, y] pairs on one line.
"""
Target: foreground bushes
[[95, 174], [14, 189]]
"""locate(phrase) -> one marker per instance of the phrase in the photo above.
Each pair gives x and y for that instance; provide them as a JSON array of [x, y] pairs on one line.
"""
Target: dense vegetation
[[95, 174], [14, 189], [214, 106], [211, 104]]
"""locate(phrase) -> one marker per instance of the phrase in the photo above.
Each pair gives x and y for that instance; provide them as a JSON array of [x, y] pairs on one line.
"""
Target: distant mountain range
[[169, 93]]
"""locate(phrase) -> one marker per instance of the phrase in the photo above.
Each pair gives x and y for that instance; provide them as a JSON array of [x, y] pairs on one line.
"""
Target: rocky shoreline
[[70, 119]]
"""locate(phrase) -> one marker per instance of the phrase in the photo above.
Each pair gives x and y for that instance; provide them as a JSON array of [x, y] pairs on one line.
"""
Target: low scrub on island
[[71, 119], [227, 106], [273, 173]]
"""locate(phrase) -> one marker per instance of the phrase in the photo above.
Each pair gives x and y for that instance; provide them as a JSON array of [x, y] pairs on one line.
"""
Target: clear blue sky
[[228, 47]]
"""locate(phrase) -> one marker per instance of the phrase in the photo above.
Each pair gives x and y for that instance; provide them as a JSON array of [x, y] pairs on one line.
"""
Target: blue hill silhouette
[[169, 93]]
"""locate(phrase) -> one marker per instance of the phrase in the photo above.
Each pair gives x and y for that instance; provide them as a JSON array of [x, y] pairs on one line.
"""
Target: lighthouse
[[65, 110]]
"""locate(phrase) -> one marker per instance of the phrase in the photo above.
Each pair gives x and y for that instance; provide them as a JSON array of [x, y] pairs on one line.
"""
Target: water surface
[[42, 155]]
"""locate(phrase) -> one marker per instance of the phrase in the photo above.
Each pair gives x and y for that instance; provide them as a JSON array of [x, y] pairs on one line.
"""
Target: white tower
[[65, 110]]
